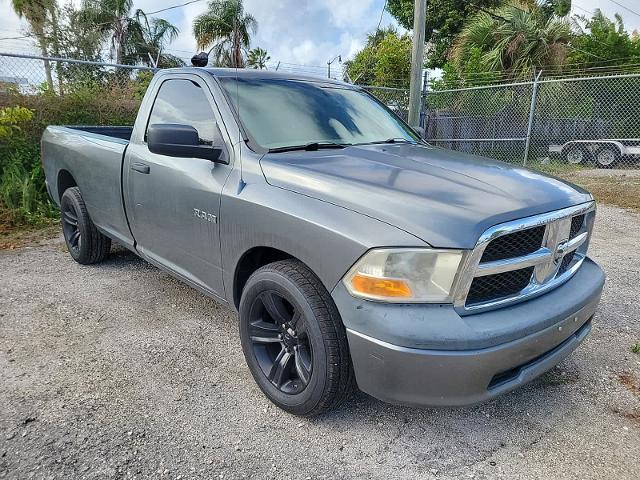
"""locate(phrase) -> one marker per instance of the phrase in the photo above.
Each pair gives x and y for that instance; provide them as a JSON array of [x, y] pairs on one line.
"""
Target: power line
[[584, 51], [583, 9], [174, 6], [626, 8], [384, 7], [381, 15], [16, 38]]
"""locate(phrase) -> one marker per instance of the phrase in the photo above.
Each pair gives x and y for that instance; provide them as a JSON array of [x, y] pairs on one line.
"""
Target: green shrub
[[10, 120], [100, 100], [22, 193]]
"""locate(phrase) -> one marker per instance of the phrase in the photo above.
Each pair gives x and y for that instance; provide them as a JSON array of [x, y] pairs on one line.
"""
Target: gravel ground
[[119, 371]]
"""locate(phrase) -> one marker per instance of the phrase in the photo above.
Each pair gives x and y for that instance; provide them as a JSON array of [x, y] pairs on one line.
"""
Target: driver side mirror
[[174, 140]]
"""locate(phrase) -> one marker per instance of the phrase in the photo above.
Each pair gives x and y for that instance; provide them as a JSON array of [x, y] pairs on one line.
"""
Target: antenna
[[237, 60]]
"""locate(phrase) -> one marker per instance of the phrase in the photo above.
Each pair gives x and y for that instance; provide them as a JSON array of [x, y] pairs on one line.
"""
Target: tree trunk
[[56, 44], [47, 65], [236, 54]]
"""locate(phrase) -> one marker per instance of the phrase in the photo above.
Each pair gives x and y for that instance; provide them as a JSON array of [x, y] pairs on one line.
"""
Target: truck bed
[[121, 132], [92, 156]]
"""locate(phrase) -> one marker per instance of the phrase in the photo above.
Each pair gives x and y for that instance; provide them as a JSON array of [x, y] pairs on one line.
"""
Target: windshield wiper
[[390, 140], [398, 140], [309, 147]]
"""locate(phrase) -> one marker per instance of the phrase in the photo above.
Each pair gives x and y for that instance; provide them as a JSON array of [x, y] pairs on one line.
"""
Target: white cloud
[[306, 32], [631, 21], [350, 13], [11, 27]]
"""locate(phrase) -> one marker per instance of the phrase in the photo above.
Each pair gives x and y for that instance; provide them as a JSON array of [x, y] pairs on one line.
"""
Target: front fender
[[326, 237]]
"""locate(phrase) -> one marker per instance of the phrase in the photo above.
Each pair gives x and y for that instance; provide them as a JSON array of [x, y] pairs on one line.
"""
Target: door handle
[[140, 167]]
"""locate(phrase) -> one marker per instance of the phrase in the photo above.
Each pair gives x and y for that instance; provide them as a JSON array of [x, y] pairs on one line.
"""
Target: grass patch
[[623, 191], [22, 236], [636, 348], [15, 235], [556, 168], [611, 187]]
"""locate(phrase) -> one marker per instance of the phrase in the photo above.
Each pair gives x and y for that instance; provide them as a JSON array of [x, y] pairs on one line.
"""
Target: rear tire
[[607, 156], [293, 339], [85, 243]]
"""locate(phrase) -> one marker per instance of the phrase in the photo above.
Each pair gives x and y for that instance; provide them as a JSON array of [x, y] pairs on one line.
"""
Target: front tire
[[576, 155], [293, 339], [85, 243]]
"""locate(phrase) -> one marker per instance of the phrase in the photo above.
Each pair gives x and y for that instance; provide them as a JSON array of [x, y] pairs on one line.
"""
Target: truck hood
[[445, 198]]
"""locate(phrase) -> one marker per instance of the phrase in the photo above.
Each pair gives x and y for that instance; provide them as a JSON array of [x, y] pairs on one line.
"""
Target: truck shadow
[[430, 437]]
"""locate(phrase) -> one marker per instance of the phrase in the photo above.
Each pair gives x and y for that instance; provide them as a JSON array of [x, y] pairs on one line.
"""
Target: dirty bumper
[[468, 370]]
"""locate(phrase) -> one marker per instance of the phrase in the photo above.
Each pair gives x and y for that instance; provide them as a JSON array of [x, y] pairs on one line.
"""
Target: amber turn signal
[[380, 287]]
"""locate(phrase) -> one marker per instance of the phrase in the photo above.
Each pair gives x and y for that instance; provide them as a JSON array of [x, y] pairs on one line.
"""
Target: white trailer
[[606, 153]]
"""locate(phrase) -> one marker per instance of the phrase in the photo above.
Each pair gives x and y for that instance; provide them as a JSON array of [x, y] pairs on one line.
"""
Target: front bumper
[[428, 355]]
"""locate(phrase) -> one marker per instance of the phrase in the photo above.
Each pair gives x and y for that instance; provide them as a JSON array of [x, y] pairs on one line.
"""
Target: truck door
[[173, 203]]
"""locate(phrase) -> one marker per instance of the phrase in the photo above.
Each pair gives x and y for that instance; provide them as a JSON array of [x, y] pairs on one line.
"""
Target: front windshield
[[282, 113]]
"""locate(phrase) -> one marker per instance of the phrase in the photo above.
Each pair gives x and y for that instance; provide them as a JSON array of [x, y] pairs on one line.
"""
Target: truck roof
[[250, 73]]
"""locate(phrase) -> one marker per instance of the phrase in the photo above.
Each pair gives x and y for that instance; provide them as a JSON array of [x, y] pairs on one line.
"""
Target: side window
[[184, 102]]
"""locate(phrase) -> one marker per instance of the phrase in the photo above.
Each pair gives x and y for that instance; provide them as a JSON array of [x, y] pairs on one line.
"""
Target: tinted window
[[281, 113], [184, 102]]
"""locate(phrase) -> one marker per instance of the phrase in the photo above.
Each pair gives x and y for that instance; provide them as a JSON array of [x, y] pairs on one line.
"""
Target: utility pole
[[417, 59]]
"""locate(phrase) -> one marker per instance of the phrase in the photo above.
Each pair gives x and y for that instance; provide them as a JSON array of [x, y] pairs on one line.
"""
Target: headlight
[[404, 275]]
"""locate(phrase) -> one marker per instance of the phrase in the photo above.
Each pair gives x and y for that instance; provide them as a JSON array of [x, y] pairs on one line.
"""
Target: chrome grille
[[576, 225], [514, 244], [518, 260], [566, 261], [489, 287]]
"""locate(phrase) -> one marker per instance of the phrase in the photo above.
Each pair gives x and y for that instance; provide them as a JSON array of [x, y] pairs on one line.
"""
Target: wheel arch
[[64, 181], [585, 144], [250, 261], [618, 145]]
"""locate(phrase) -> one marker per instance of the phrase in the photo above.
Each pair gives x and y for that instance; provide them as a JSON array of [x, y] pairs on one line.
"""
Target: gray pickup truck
[[354, 252]]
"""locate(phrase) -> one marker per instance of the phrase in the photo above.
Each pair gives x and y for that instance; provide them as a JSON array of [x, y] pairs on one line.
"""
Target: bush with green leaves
[[385, 60], [106, 99], [22, 192]]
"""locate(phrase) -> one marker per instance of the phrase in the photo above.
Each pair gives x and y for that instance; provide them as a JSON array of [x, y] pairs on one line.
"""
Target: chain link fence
[[490, 121], [36, 92], [62, 91], [568, 123], [572, 122]]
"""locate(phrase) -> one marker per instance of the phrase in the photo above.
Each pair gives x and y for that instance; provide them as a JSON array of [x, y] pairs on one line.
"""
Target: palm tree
[[258, 58], [35, 13], [156, 35], [514, 39], [227, 29], [115, 19]]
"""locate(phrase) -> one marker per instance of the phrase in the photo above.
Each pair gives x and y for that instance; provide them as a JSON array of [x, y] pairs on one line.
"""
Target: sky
[[294, 32], [301, 34]]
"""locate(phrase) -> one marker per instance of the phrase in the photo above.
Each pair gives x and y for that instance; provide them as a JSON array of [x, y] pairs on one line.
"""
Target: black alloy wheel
[[70, 228], [86, 244], [293, 339], [280, 342]]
